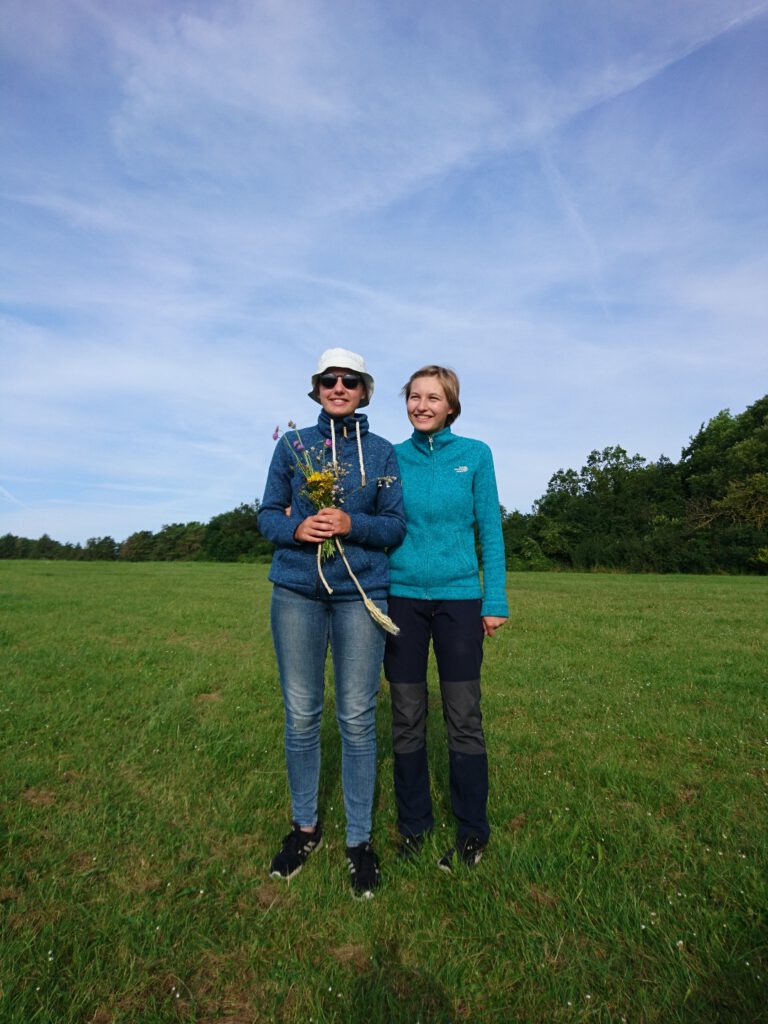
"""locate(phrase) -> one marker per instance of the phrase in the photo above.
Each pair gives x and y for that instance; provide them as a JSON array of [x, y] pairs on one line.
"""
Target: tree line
[[229, 537], [706, 513]]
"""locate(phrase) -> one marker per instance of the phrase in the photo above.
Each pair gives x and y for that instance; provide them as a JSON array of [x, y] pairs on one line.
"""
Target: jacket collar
[[340, 423], [432, 442]]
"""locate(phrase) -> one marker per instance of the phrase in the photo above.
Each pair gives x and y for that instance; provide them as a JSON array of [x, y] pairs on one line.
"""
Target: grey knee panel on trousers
[[409, 717], [463, 718]]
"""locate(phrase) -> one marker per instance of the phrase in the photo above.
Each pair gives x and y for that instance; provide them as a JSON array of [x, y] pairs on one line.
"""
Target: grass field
[[143, 794]]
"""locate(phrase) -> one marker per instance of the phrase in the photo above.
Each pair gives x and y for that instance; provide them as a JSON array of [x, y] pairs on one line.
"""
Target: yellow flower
[[320, 487]]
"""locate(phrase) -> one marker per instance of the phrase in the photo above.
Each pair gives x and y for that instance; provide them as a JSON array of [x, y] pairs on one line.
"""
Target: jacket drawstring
[[360, 461], [333, 450], [360, 454]]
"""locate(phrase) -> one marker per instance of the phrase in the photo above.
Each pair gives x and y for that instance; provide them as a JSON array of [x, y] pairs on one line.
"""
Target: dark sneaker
[[363, 869], [410, 847], [469, 851], [297, 846]]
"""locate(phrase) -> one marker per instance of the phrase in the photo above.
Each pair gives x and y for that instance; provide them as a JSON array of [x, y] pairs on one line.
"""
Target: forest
[[706, 513]]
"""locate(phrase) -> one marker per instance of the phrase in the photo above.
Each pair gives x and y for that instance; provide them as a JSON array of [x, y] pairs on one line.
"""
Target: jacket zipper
[[431, 506]]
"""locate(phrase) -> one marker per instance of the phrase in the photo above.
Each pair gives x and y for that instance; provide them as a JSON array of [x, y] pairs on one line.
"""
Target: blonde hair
[[450, 382]]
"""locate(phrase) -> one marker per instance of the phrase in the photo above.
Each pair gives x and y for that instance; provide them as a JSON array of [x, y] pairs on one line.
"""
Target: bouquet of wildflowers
[[322, 486], [321, 480]]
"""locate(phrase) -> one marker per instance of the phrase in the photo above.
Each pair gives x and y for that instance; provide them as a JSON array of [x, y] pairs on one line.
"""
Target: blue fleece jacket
[[449, 486], [376, 510]]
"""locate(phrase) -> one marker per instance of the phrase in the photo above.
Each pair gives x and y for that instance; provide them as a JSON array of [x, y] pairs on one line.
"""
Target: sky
[[565, 202]]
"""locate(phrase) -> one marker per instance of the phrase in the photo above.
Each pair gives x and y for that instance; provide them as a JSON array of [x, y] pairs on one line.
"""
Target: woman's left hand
[[491, 623]]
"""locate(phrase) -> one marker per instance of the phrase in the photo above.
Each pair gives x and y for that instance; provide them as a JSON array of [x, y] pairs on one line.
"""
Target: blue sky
[[566, 202]]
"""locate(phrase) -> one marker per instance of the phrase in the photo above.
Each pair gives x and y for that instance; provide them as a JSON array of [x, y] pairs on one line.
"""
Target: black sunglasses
[[349, 380]]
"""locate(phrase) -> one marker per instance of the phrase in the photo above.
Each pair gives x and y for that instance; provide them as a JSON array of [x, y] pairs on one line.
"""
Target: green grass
[[143, 794]]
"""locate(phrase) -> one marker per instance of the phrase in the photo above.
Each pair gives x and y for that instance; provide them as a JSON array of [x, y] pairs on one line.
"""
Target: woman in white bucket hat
[[334, 488]]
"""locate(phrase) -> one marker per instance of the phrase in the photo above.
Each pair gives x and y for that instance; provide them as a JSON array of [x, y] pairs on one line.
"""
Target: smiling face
[[339, 400], [428, 408]]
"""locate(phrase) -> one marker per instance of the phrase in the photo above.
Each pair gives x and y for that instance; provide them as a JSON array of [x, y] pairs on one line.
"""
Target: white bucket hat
[[344, 360]]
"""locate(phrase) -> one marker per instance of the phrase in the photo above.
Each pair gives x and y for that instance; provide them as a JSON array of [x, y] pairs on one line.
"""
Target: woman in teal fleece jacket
[[436, 595]]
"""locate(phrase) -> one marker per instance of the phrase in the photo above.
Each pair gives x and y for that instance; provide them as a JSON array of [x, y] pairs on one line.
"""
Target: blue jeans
[[302, 629]]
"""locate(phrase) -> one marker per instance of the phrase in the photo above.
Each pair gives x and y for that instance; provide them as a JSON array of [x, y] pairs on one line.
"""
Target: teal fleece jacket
[[449, 486]]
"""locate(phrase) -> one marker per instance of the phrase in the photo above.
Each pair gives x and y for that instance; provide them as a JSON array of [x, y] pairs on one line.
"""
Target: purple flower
[[327, 442], [298, 445], [276, 433]]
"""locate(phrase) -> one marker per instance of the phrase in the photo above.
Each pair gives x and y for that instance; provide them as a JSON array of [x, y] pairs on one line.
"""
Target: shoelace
[[295, 840], [368, 859]]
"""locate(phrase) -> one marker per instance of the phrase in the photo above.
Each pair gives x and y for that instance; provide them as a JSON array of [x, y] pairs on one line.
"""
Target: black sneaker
[[410, 847], [297, 846], [467, 851], [364, 870]]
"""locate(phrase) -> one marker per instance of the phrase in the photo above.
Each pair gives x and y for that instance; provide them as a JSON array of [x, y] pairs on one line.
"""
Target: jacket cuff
[[500, 611]]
